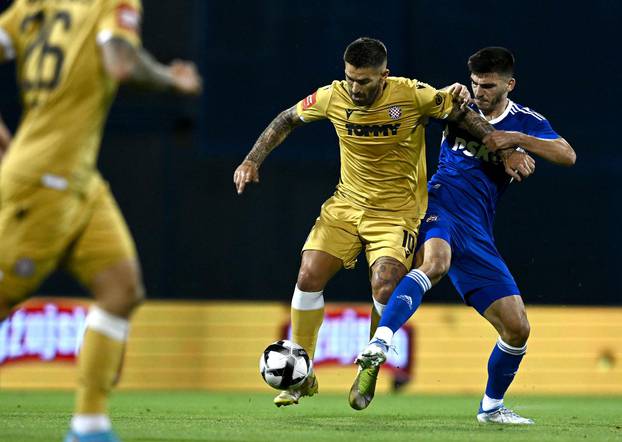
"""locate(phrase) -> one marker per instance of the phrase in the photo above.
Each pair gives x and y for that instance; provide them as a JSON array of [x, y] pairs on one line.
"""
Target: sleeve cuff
[[105, 35]]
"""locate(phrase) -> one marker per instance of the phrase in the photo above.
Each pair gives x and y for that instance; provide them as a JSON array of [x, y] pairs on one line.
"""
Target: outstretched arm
[[557, 151], [270, 138], [128, 64]]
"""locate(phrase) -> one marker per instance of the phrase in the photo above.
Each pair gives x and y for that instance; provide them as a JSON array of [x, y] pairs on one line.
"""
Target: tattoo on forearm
[[142, 67], [470, 120], [274, 135], [149, 71]]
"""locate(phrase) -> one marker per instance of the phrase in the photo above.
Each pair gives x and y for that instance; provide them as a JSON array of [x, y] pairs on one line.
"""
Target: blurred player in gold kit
[[55, 208], [381, 195]]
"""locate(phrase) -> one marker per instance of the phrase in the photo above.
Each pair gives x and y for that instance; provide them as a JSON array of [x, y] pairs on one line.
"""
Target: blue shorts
[[477, 270]]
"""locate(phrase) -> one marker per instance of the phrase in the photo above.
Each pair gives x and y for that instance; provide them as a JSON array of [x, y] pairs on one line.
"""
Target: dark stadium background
[[170, 162]]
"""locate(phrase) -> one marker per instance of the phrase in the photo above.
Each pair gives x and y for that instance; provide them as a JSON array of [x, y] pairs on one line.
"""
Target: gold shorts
[[342, 230], [42, 229]]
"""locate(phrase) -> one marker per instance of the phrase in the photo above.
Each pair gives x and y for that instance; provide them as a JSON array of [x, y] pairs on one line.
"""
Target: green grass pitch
[[206, 416]]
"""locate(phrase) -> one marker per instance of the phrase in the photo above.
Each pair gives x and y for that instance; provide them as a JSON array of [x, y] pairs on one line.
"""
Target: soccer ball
[[284, 365]]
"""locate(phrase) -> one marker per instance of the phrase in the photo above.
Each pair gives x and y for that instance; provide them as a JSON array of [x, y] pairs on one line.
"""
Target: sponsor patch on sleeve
[[309, 101], [128, 18]]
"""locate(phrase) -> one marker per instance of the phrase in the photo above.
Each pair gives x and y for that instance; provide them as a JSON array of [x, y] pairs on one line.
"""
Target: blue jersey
[[463, 196], [466, 164]]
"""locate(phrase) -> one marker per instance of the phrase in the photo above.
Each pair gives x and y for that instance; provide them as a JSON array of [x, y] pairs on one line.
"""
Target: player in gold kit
[[55, 208], [381, 195]]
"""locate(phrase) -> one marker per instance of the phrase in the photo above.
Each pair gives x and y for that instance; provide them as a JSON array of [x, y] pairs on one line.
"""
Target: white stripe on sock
[[506, 348], [420, 278], [114, 327], [378, 306], [307, 300]]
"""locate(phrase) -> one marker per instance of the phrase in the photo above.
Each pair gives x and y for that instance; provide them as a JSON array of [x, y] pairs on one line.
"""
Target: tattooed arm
[[271, 137], [125, 63], [466, 118]]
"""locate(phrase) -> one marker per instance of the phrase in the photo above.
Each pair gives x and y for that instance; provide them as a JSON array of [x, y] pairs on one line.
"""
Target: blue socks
[[502, 366], [405, 300]]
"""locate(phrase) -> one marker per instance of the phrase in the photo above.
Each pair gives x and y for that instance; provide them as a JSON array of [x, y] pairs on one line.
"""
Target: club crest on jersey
[[395, 112]]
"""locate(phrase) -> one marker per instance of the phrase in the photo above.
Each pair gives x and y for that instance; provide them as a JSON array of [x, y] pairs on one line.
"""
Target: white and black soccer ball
[[284, 365]]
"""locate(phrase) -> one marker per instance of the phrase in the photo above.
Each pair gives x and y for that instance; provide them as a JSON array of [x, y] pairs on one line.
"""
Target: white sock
[[90, 423], [384, 333], [307, 300], [378, 306], [114, 327], [489, 403]]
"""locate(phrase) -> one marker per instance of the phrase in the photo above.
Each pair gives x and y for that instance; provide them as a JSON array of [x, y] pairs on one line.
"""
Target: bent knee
[[382, 292], [383, 282], [136, 293], [119, 289], [309, 280], [517, 334], [436, 267], [131, 293]]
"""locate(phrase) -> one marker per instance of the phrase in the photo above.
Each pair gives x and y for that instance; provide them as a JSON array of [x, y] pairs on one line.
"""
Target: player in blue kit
[[457, 232]]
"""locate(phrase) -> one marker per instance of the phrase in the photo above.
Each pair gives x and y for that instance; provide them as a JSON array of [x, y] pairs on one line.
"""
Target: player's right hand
[[501, 139], [186, 77], [245, 173]]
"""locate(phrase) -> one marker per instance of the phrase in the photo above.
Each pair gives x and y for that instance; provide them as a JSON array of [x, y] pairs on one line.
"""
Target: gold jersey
[[382, 146], [65, 90]]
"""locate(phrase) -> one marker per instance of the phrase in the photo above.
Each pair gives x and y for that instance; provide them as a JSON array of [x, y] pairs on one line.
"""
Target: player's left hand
[[5, 139], [186, 77], [501, 139], [460, 94], [518, 165]]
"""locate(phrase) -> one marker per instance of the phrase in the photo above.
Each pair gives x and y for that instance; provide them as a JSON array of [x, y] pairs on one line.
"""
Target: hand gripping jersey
[[463, 197], [382, 146], [64, 89], [469, 167]]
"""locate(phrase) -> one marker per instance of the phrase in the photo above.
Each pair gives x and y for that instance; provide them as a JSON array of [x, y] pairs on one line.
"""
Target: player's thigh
[[391, 237], [36, 227], [316, 269], [479, 273], [335, 232], [104, 242]]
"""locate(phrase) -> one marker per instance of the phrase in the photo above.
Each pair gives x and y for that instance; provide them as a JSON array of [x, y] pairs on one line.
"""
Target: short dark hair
[[365, 52], [493, 59]]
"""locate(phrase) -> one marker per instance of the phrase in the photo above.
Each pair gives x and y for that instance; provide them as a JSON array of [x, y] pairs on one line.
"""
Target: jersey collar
[[503, 115]]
